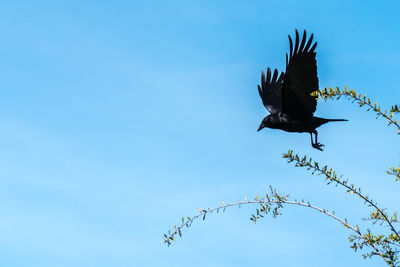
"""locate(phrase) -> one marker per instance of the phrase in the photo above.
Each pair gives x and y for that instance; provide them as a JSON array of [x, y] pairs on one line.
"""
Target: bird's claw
[[318, 146]]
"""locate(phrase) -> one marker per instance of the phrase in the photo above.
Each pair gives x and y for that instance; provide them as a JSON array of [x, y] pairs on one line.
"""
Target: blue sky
[[118, 118]]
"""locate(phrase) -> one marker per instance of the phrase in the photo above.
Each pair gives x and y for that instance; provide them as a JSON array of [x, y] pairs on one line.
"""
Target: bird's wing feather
[[300, 78], [271, 91]]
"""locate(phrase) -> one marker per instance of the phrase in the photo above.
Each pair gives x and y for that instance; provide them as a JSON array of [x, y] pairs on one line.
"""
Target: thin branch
[[330, 93], [332, 176], [189, 220]]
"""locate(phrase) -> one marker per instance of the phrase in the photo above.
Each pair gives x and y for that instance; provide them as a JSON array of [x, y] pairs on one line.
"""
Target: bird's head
[[266, 122]]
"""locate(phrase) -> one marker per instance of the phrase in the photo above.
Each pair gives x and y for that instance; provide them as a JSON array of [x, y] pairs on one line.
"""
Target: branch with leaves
[[395, 172], [272, 203], [362, 100], [331, 176], [386, 244]]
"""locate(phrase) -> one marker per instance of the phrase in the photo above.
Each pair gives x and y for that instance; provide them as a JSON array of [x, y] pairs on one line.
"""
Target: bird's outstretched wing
[[271, 91], [300, 78]]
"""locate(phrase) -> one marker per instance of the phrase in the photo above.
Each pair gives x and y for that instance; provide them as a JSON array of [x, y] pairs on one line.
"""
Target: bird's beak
[[261, 126]]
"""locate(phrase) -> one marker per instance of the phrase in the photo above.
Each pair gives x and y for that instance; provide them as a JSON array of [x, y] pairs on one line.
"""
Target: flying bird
[[288, 96]]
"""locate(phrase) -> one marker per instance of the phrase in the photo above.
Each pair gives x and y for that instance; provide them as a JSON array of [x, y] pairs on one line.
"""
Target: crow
[[288, 97]]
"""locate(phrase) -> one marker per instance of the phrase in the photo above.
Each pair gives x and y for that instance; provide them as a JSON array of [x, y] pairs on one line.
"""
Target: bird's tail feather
[[336, 120]]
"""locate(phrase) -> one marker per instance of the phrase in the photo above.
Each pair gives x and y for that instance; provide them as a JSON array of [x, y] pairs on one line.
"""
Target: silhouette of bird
[[288, 97]]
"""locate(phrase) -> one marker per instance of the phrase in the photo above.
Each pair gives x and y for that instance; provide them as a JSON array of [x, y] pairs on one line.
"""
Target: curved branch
[[332, 176], [189, 220], [330, 93]]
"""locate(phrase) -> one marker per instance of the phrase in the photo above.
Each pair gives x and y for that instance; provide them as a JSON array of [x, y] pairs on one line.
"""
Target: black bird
[[288, 97]]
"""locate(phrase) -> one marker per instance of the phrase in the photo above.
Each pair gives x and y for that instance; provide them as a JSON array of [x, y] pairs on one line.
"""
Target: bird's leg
[[316, 144], [312, 143]]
